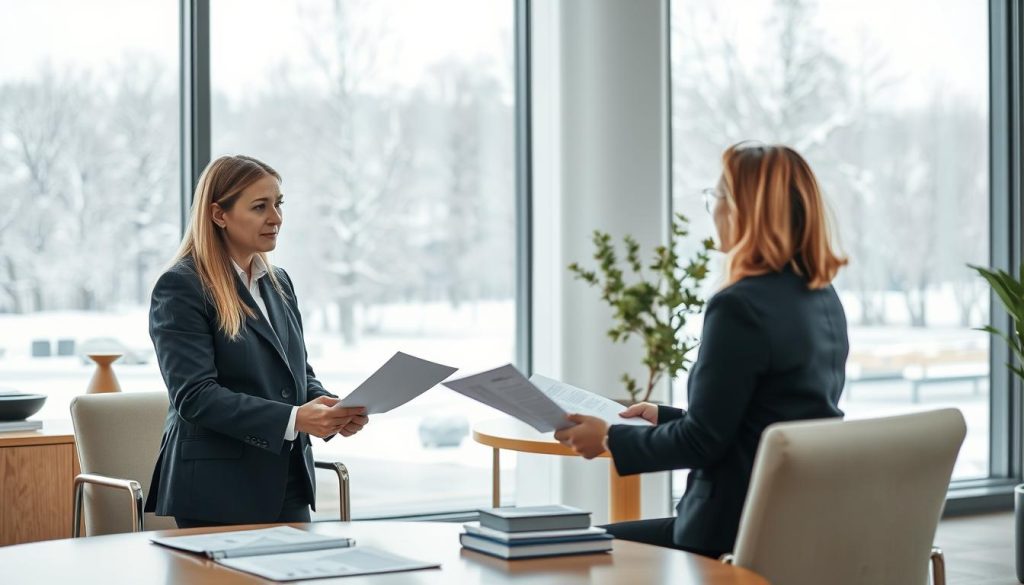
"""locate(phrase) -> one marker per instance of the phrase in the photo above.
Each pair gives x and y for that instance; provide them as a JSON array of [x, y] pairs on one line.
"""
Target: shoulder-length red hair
[[777, 215]]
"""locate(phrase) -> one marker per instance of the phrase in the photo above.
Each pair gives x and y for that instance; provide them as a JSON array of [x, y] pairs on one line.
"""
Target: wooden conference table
[[509, 433], [131, 558]]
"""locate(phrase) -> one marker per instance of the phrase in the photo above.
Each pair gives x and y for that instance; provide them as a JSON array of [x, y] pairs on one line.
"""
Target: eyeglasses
[[711, 197]]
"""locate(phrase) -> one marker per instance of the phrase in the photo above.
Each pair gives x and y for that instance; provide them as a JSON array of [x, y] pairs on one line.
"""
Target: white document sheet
[[360, 560], [540, 402], [510, 392], [578, 400], [399, 380]]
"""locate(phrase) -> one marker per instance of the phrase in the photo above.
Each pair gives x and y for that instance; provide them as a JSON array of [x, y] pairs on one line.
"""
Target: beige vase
[[103, 380]]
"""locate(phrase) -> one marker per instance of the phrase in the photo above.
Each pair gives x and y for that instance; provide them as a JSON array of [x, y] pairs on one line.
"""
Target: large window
[[892, 114], [392, 123], [89, 180]]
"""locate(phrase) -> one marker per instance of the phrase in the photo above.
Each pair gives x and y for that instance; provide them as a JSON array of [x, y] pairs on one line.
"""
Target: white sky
[[937, 43], [934, 43], [249, 37]]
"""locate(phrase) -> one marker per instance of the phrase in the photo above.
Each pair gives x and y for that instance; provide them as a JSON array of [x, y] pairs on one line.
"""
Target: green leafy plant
[[1010, 291], [654, 305]]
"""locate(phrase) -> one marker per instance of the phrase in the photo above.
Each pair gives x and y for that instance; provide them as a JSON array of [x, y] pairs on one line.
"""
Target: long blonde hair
[[222, 182], [777, 215]]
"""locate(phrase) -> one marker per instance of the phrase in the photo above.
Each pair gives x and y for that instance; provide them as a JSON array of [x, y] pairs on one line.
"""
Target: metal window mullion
[[194, 65], [1004, 223], [1010, 436], [524, 189]]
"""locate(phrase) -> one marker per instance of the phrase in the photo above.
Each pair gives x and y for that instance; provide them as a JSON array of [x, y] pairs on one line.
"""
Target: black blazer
[[223, 457], [772, 350]]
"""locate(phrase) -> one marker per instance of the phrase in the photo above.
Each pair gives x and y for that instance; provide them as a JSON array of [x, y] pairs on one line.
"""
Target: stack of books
[[535, 531]]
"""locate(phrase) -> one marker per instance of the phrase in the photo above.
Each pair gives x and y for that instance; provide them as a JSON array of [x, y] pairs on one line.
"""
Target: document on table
[[330, 563], [244, 543], [543, 406], [399, 380]]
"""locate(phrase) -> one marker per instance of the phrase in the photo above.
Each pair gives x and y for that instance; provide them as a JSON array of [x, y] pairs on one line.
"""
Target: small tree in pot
[[1010, 291], [654, 304]]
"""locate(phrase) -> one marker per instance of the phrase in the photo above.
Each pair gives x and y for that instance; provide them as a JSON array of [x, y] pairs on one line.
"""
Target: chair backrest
[[849, 502], [118, 435]]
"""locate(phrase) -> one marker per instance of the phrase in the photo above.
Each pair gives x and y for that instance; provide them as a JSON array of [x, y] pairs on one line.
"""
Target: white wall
[[600, 161]]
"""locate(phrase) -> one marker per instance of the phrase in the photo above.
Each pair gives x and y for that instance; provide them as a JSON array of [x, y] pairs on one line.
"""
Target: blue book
[[534, 536], [529, 518], [525, 549]]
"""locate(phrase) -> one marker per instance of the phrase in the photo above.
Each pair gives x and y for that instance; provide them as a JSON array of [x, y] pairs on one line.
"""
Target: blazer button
[[286, 393]]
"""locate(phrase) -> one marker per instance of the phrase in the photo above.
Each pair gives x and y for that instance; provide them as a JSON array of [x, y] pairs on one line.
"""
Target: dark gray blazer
[[772, 350], [223, 457]]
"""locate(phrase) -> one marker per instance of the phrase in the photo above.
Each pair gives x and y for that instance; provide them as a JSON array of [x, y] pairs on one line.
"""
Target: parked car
[[130, 356], [443, 430]]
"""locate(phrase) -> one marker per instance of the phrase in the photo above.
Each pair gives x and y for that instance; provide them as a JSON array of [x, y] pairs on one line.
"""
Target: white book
[[477, 530], [20, 425]]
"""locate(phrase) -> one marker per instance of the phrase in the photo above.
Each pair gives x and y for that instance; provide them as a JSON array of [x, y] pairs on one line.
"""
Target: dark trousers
[[657, 532], [294, 508]]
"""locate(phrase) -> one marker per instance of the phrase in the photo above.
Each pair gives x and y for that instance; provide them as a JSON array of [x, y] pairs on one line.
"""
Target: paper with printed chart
[[543, 405], [361, 560], [578, 400], [243, 543]]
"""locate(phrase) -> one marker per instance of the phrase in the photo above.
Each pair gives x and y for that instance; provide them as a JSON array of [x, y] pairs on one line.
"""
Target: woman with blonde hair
[[228, 336], [773, 349]]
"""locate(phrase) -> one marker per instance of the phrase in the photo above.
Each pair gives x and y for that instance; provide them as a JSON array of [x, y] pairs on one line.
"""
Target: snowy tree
[[363, 149]]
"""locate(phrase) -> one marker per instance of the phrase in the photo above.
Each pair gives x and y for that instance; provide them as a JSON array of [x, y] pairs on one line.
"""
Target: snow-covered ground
[[393, 473]]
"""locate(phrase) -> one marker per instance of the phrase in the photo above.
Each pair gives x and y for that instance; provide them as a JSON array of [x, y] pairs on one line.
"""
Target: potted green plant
[[652, 303], [1010, 291]]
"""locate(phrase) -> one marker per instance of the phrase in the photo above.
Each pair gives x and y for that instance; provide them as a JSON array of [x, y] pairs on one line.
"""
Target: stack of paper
[[283, 553]]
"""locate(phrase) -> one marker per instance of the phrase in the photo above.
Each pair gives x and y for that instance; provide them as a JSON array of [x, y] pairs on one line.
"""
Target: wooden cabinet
[[37, 471]]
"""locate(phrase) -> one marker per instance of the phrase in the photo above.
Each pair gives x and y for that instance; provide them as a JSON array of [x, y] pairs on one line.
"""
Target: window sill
[[979, 496]]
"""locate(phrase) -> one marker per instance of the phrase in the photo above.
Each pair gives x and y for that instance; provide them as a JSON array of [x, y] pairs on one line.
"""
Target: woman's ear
[[217, 213]]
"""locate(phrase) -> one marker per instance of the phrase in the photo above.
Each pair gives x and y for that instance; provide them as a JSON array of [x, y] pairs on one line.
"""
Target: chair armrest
[[344, 497], [130, 485]]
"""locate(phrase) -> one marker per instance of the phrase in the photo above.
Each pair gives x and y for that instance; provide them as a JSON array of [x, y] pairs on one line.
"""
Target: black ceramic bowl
[[20, 406]]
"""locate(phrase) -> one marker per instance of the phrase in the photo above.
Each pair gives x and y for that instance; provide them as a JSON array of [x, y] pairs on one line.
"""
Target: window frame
[[195, 134], [1006, 216]]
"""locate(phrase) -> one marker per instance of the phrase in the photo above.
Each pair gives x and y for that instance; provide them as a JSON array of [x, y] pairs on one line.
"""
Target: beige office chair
[[118, 437], [847, 503]]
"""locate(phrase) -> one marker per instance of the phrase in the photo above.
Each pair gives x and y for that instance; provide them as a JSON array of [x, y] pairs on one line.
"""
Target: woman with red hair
[[773, 349]]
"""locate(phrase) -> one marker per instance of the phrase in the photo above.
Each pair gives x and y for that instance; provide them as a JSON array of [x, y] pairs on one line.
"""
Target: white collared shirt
[[259, 270]]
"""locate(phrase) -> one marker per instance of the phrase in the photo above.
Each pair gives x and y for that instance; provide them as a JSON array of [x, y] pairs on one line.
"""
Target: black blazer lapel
[[276, 310], [287, 329], [260, 325]]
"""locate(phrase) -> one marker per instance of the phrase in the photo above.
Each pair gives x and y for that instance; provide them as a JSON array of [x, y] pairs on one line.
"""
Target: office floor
[[979, 549]]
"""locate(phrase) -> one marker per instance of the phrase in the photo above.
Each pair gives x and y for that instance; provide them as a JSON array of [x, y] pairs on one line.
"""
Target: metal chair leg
[[938, 566], [345, 502]]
